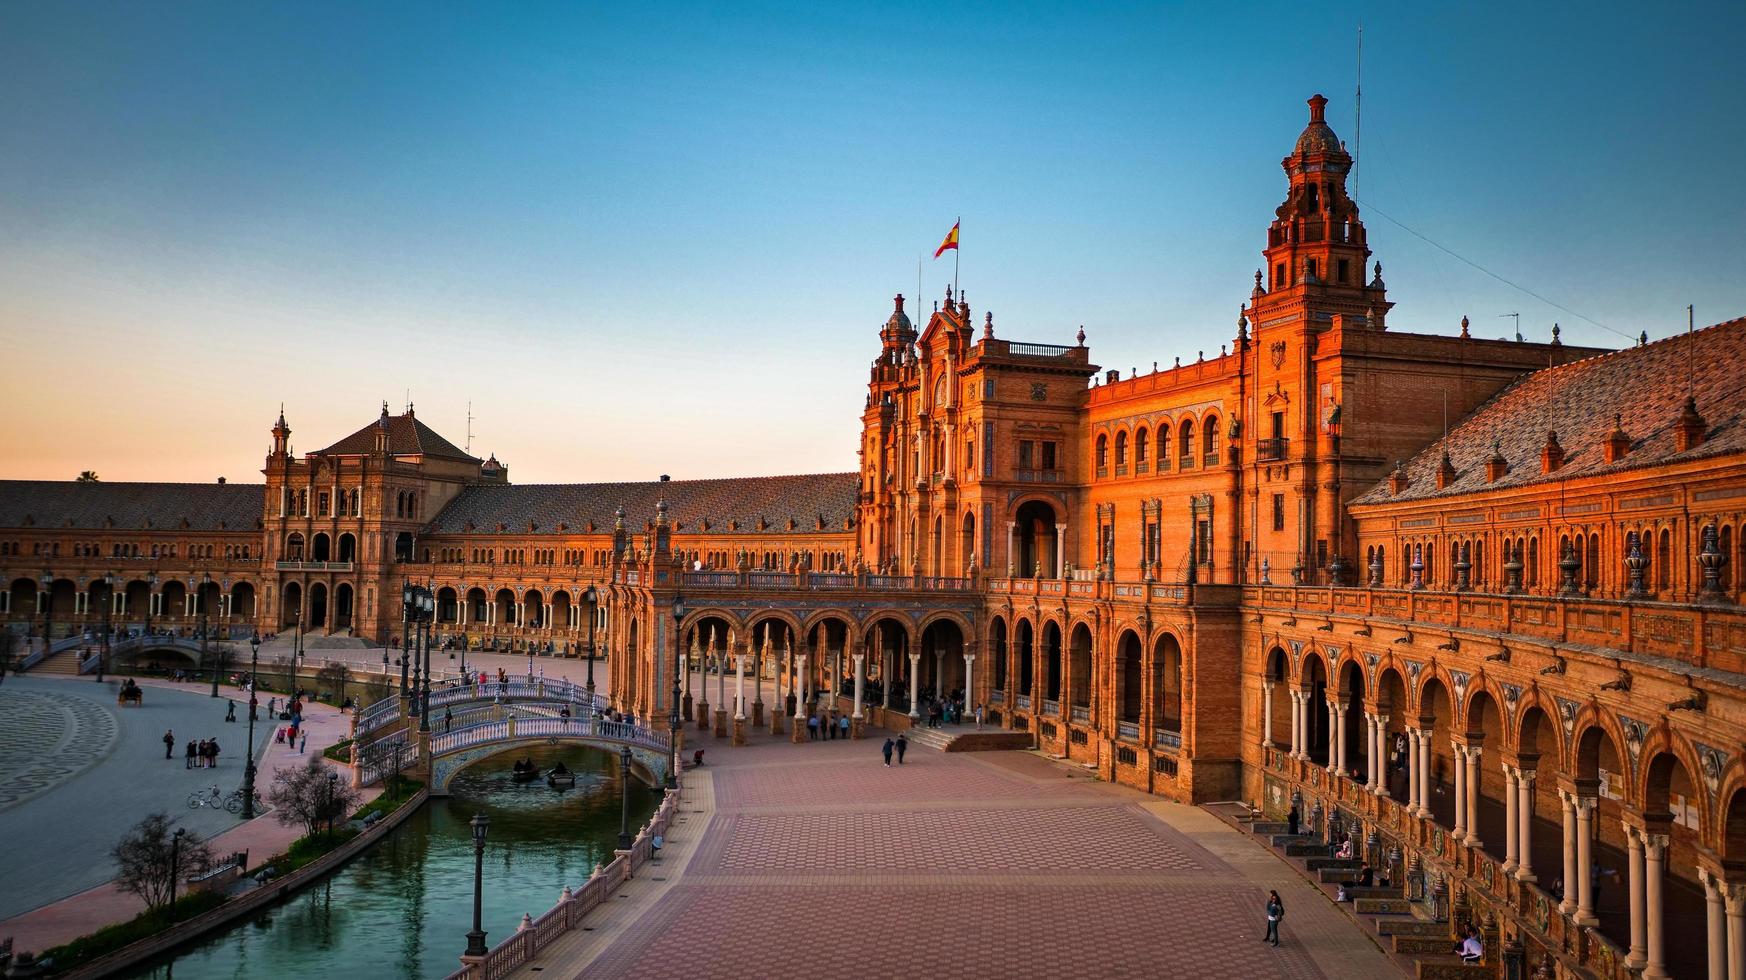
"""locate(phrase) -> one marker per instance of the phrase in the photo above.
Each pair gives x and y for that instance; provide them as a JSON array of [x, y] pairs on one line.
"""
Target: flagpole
[[959, 227]]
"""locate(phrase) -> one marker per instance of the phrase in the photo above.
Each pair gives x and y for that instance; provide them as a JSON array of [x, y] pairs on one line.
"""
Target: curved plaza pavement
[[815, 860]]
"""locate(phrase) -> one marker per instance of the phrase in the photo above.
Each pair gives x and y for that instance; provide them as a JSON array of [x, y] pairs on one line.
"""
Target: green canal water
[[403, 907]]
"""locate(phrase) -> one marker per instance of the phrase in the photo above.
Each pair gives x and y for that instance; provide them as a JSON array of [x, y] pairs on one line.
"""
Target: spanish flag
[[951, 241]]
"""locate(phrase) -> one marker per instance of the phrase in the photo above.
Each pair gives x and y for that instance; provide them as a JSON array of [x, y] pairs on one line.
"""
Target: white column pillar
[[740, 687], [860, 681], [800, 695], [1380, 756], [1654, 884], [1296, 728], [1639, 954], [1567, 803], [1425, 772], [1267, 713], [1510, 821], [914, 686], [1460, 777], [970, 701], [1734, 900], [1412, 735], [1715, 926], [1585, 810], [1060, 551], [1337, 755], [1525, 830], [1012, 552], [1474, 753]]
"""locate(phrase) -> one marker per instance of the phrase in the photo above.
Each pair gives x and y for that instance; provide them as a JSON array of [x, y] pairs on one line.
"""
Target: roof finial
[[1082, 335], [898, 300], [1464, 333], [1317, 104], [384, 408], [1555, 332], [988, 325]]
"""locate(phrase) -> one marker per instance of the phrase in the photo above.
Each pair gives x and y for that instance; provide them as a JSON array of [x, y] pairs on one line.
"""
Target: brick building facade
[[1461, 596]]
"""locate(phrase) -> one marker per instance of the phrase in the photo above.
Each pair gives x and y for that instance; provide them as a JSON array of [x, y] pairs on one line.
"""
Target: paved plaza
[[816, 860]]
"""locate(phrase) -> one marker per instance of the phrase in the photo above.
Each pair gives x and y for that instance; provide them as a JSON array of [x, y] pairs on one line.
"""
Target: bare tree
[[315, 796], [150, 857], [334, 677]]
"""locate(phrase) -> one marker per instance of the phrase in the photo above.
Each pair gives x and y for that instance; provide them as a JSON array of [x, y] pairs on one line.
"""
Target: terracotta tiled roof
[[480, 508], [1644, 387], [48, 504], [407, 436]]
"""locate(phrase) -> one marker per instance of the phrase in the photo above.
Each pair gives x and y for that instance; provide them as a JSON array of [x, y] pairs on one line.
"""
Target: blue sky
[[662, 239]]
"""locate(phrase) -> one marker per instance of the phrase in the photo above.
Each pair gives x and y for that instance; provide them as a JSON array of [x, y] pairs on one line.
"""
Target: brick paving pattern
[[818, 861]]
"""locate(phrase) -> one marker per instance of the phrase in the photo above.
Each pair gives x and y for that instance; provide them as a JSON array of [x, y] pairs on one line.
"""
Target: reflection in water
[[403, 908]]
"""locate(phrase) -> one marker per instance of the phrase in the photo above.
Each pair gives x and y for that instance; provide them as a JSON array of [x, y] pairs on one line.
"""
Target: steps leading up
[[958, 738]]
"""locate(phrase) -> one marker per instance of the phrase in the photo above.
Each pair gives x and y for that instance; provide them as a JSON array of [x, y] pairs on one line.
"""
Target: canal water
[[404, 906]]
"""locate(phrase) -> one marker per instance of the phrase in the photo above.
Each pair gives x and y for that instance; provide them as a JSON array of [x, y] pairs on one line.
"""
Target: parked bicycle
[[212, 797]]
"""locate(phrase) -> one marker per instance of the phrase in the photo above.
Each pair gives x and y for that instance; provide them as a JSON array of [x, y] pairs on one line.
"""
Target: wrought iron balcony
[[1272, 450]]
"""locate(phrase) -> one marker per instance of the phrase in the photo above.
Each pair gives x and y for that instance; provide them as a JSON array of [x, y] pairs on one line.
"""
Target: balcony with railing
[[313, 566], [1051, 707], [1210, 458], [1272, 450], [1037, 476], [1166, 739], [1129, 730], [1081, 713]]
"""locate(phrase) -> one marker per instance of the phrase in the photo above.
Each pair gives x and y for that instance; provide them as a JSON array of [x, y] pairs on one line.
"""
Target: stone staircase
[[966, 738], [64, 663], [1421, 947]]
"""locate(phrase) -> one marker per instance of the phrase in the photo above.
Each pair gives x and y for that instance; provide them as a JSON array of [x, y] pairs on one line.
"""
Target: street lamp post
[[405, 637], [296, 645], [48, 605], [427, 609], [248, 811], [151, 593], [673, 716], [476, 938], [590, 605], [103, 652], [624, 834], [200, 600]]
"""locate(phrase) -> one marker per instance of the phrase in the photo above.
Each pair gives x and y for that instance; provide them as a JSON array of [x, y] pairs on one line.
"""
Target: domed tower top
[[1318, 137], [898, 331]]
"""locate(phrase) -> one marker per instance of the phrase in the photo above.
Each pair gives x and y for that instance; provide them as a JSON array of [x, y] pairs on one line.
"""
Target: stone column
[[1012, 552], [1337, 756], [1510, 820], [1412, 735], [1715, 925], [740, 699], [1525, 831], [1379, 757], [800, 715], [1654, 883], [1472, 795], [1296, 729], [1267, 713], [914, 687], [1639, 954], [780, 670], [1567, 802], [1460, 778], [970, 701], [1734, 900], [1585, 810], [758, 655], [1060, 551], [858, 721]]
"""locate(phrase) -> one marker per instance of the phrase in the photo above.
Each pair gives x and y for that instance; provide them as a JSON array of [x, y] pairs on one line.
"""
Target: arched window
[[1102, 454], [1185, 447], [1121, 449], [1210, 432], [1141, 444], [1591, 567], [1163, 446], [1533, 568]]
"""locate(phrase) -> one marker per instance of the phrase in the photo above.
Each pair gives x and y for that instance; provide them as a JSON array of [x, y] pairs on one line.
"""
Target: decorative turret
[[1688, 431], [1445, 471], [1551, 454], [382, 432], [898, 331], [1496, 466], [1617, 443], [281, 435]]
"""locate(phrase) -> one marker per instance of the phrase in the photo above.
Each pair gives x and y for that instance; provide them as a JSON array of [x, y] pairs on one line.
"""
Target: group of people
[[900, 745], [821, 726], [199, 755]]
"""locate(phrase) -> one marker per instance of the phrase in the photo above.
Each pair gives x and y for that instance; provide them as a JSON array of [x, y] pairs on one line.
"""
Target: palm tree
[[87, 476]]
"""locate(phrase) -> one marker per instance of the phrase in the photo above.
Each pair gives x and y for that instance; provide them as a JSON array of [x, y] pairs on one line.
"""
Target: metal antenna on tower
[[1358, 112], [469, 447], [1518, 317]]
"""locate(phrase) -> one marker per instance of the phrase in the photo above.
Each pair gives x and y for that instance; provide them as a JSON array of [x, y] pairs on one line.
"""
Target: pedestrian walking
[[1275, 912], [189, 755], [302, 742], [230, 715], [1291, 820], [449, 718], [169, 744], [212, 752], [979, 716], [887, 752], [812, 728], [902, 747], [842, 726]]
